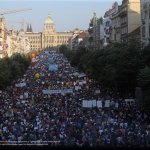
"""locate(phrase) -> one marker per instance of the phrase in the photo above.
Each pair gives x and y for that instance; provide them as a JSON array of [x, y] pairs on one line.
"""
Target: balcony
[[124, 35], [123, 12], [143, 21], [118, 30], [123, 24]]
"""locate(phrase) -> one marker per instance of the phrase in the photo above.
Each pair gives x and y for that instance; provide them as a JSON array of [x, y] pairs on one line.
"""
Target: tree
[[91, 39], [144, 82], [13, 67], [62, 48], [76, 56], [144, 78], [120, 67], [146, 55], [90, 30]]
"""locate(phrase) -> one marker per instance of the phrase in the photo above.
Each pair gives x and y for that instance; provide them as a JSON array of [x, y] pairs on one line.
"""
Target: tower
[[30, 28], [49, 26]]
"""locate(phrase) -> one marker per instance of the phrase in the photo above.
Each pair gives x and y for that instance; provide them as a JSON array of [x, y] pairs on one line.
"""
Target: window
[[143, 31], [145, 13], [149, 30]]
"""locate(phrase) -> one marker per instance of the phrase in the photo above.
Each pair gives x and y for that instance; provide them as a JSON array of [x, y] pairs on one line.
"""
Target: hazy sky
[[66, 14]]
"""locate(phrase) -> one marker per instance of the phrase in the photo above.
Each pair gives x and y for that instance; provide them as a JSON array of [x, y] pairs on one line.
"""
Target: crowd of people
[[28, 114]]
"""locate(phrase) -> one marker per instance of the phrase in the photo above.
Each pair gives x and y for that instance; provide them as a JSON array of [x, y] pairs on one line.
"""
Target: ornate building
[[49, 37], [145, 22], [3, 38], [12, 42]]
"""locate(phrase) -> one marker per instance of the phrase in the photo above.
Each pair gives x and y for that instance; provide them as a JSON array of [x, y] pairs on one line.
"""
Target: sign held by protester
[[20, 84], [99, 104], [57, 91], [107, 103]]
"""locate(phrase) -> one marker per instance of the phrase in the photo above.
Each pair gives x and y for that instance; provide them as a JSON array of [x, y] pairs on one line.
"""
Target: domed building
[[49, 37], [49, 26]]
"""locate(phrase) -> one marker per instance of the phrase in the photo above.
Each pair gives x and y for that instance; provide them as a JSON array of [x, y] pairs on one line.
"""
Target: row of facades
[[120, 24], [12, 41], [26, 41], [130, 20]]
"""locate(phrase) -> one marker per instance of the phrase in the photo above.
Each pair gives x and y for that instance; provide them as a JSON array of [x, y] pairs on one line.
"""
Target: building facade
[[12, 42], [93, 32], [145, 22], [3, 38], [79, 38], [35, 40], [102, 27], [126, 22], [107, 25], [73, 41], [49, 37], [129, 18], [22, 44], [116, 27], [120, 24]]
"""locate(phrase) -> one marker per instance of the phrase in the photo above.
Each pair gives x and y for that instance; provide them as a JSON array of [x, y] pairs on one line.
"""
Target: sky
[[66, 14]]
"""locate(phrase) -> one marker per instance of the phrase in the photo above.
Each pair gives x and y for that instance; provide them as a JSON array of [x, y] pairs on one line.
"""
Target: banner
[[23, 101], [33, 60], [20, 84], [89, 104], [93, 103], [81, 75], [75, 74], [99, 104], [33, 56], [76, 88], [116, 105], [46, 52], [84, 103], [81, 83], [107, 103], [21, 96], [84, 82], [79, 87], [26, 95], [57, 91], [50, 60], [53, 67], [97, 91], [129, 100]]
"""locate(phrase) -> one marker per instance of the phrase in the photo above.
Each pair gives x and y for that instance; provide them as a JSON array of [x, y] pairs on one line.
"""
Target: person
[[61, 118]]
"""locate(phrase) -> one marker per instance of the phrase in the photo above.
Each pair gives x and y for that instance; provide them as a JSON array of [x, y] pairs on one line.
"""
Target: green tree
[[144, 82], [146, 55], [13, 67], [144, 78]]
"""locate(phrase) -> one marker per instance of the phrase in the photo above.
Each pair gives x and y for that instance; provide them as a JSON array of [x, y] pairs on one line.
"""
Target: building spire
[[94, 17], [27, 28], [94, 13], [30, 28]]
